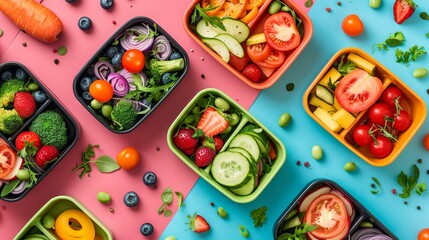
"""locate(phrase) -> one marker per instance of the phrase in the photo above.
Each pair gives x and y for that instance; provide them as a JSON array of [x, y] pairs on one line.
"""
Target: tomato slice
[[329, 213], [358, 90], [212, 3], [274, 60], [281, 32], [7, 160], [233, 9], [259, 52]]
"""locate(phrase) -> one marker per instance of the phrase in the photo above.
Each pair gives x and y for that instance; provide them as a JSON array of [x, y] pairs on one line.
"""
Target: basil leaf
[[167, 213], [179, 199], [106, 164], [167, 196], [161, 209], [9, 187]]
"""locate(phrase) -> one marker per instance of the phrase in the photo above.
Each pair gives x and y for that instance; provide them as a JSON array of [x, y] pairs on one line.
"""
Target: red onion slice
[[129, 77], [120, 85], [137, 37], [20, 188], [102, 69], [161, 48]]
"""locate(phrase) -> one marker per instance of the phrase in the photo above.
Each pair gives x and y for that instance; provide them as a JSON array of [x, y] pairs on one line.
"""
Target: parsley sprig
[[259, 216], [213, 20], [410, 55], [299, 232], [410, 182], [345, 66]]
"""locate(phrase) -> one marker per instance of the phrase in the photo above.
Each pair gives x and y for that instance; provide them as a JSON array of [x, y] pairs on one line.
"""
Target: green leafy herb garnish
[[424, 15], [259, 216], [167, 199], [393, 40], [377, 186], [409, 183], [345, 66], [411, 55], [213, 20], [179, 196], [8, 188], [104, 163], [299, 232]]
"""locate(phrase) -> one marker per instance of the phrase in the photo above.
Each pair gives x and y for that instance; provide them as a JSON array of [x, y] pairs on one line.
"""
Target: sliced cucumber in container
[[231, 43], [218, 46], [236, 28], [247, 188], [231, 169], [247, 142], [323, 93], [206, 30]]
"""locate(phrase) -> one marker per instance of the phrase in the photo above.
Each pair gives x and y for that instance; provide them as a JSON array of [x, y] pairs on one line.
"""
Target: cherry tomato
[[329, 214], [101, 90], [275, 59], [426, 141], [402, 121], [423, 234], [281, 32], [7, 160], [128, 158], [390, 94], [133, 60], [381, 147], [239, 63], [259, 52], [362, 136], [358, 90], [352, 25], [379, 113]]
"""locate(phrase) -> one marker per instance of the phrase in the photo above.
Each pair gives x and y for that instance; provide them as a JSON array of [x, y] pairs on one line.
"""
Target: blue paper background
[[404, 221]]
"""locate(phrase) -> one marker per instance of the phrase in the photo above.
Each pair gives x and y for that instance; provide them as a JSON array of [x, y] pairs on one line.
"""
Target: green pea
[[366, 224], [374, 3], [350, 166], [23, 174], [106, 109], [48, 221], [222, 212], [96, 104], [284, 119], [420, 72], [317, 152], [196, 109], [33, 86], [189, 119], [286, 8], [233, 119], [227, 130], [103, 197], [274, 7], [222, 104], [170, 238]]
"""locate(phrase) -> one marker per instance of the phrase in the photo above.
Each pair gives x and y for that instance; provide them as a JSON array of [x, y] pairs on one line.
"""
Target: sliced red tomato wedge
[[328, 212], [358, 90], [259, 52], [7, 160], [281, 32], [274, 60]]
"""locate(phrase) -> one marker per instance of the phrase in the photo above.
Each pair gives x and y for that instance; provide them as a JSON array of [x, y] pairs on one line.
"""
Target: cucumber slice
[[260, 137], [247, 142], [291, 223], [231, 169], [231, 43], [236, 28], [244, 152], [324, 94], [207, 30], [246, 189], [218, 46]]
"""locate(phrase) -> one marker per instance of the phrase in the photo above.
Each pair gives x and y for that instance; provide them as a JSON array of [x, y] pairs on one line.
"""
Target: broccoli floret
[[10, 121], [159, 67], [8, 90], [123, 115], [51, 128]]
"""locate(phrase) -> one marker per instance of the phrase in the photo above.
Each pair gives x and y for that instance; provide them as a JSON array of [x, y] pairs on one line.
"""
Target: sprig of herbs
[[409, 183], [376, 186], [167, 199], [395, 39], [104, 163], [213, 20], [259, 216], [410, 55], [345, 66], [299, 232]]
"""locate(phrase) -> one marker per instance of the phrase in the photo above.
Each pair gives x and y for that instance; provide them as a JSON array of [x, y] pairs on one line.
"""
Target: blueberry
[[117, 60], [84, 83], [21, 74], [131, 199], [106, 4], [6, 75], [39, 96], [71, 1], [84, 23], [146, 229], [166, 78], [87, 96], [90, 71], [112, 51], [175, 55], [149, 178]]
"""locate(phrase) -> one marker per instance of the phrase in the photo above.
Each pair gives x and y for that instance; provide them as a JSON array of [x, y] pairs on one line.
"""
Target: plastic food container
[[230, 139], [360, 219], [46, 103], [53, 208], [151, 95], [257, 26], [327, 115]]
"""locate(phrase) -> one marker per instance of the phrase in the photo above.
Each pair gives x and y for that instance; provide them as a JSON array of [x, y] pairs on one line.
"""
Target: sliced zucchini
[[231, 169], [324, 94], [231, 43], [236, 28], [218, 46]]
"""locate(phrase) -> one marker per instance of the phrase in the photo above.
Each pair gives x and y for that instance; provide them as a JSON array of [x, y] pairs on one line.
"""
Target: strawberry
[[184, 139], [198, 224], [212, 122], [403, 9], [189, 151], [45, 155], [24, 104], [27, 143], [252, 72], [204, 156], [218, 142]]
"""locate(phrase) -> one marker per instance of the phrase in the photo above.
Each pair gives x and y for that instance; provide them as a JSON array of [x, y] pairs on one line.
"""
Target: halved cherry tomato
[[329, 213], [352, 25], [133, 60], [128, 158], [362, 136], [212, 3], [275, 59], [381, 147], [281, 32], [259, 52], [358, 90], [7, 160], [233, 9], [101, 90]]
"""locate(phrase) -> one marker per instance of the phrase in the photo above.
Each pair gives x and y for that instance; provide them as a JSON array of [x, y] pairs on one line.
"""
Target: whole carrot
[[33, 18]]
